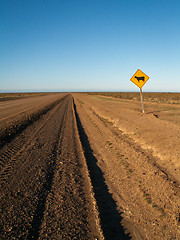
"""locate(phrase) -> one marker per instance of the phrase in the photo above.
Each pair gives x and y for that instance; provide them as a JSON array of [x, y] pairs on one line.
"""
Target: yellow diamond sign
[[139, 78]]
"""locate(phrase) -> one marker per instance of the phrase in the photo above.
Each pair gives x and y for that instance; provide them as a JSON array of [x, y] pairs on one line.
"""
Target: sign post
[[139, 79], [142, 100]]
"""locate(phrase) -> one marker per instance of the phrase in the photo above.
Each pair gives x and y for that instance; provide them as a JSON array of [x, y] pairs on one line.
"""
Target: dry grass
[[160, 97]]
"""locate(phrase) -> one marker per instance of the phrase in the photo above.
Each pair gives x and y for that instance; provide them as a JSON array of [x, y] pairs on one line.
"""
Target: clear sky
[[84, 45]]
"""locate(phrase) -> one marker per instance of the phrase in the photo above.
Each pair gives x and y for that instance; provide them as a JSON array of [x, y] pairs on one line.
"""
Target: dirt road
[[45, 188], [16, 115], [67, 172], [12, 108]]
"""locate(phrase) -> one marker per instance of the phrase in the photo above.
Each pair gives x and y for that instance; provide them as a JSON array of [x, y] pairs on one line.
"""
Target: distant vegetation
[[12, 96], [163, 97]]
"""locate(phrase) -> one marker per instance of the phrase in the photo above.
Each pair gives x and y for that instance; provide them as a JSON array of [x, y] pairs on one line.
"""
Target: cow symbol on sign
[[139, 78]]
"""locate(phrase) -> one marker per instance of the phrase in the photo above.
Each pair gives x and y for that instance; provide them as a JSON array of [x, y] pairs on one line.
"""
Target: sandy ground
[[139, 157], [90, 168], [158, 130]]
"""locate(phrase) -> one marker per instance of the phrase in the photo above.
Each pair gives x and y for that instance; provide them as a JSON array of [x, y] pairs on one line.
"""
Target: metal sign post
[[142, 100], [140, 78]]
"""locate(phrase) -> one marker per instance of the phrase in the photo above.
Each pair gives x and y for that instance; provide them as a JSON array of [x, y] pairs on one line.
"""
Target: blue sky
[[84, 45]]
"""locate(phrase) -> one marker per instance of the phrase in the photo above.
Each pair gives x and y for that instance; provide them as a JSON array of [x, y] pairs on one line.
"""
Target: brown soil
[[138, 155], [16, 115], [89, 168], [45, 187]]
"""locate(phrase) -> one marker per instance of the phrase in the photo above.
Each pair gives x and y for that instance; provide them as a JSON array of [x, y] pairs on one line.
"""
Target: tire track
[[27, 189], [67, 214], [23, 111], [11, 128], [46, 194], [9, 155], [39, 213], [10, 152]]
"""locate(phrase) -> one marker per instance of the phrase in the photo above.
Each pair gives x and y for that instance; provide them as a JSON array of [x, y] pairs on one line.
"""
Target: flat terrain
[[45, 190], [86, 166], [139, 157], [16, 106]]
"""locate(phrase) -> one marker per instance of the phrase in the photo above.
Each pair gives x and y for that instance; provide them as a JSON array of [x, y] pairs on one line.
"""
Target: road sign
[[139, 78]]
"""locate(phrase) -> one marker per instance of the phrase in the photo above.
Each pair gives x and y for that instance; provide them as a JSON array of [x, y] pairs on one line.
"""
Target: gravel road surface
[[68, 172], [45, 191], [14, 107]]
